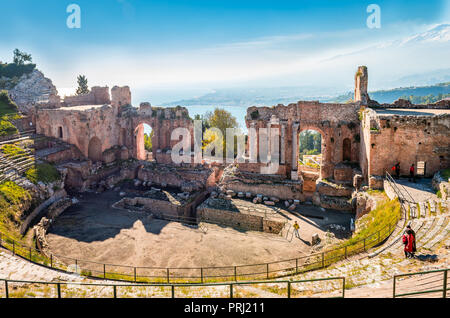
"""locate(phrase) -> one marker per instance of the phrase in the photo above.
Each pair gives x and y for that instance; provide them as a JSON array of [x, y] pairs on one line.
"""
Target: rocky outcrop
[[441, 185], [32, 89]]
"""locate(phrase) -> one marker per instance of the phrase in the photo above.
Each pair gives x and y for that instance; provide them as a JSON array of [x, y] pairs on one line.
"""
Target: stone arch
[[95, 149], [346, 150], [140, 151]]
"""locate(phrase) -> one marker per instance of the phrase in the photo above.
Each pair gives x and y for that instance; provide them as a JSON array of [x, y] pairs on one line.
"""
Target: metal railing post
[[289, 289], [231, 290], [201, 275], [393, 288], [267, 269], [445, 284], [343, 287], [114, 291], [168, 276], [104, 271], [58, 287], [296, 265], [173, 291], [235, 273], [6, 289], [135, 274]]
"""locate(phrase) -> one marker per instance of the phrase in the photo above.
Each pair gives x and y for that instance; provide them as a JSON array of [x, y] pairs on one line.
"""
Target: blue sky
[[201, 45]]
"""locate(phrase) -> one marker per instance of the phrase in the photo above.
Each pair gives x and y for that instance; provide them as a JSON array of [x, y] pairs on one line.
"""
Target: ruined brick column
[[283, 142], [361, 83], [294, 174]]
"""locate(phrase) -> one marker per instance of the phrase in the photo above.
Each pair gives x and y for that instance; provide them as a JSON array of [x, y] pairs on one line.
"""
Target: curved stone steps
[[440, 236], [436, 228]]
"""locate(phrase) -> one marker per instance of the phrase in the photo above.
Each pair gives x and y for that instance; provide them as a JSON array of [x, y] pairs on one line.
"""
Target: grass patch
[[12, 150], [7, 128], [13, 193], [43, 172], [7, 106], [445, 173]]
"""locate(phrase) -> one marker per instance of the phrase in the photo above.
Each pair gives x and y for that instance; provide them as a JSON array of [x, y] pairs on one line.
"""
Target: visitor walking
[[408, 241], [408, 228], [397, 170], [296, 227], [412, 177]]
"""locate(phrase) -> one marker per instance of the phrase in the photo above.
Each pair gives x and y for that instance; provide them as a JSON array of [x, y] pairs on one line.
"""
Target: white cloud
[[279, 60]]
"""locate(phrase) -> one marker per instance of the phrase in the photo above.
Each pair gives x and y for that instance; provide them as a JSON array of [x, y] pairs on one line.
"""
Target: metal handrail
[[231, 285], [397, 190], [443, 289], [317, 260]]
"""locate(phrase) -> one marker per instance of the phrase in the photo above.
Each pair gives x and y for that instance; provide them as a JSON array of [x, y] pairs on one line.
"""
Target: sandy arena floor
[[93, 230]]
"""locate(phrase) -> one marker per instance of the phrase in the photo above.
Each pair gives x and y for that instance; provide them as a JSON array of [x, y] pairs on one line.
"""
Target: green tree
[[21, 57], [222, 120], [148, 142], [82, 85]]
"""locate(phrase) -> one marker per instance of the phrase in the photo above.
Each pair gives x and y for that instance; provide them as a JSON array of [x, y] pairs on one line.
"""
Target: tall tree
[[21, 57], [148, 142], [82, 85], [222, 120]]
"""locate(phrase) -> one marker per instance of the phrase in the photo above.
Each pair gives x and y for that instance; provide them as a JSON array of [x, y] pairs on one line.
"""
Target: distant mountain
[[247, 97], [391, 95], [286, 95]]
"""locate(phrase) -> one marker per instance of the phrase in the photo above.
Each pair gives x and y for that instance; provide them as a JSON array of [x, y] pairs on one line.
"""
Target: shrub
[[7, 106], [43, 172], [7, 128], [15, 70]]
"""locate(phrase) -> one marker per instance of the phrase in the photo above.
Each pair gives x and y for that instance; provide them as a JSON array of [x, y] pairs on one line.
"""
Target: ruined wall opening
[[309, 158], [346, 150], [144, 145], [95, 149], [60, 132]]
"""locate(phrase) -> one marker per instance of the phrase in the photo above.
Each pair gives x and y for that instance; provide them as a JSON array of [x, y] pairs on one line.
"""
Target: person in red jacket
[[408, 241], [411, 173]]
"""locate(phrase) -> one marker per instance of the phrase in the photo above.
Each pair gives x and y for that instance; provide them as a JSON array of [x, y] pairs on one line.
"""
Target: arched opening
[[144, 145], [309, 159], [346, 150], [95, 149]]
